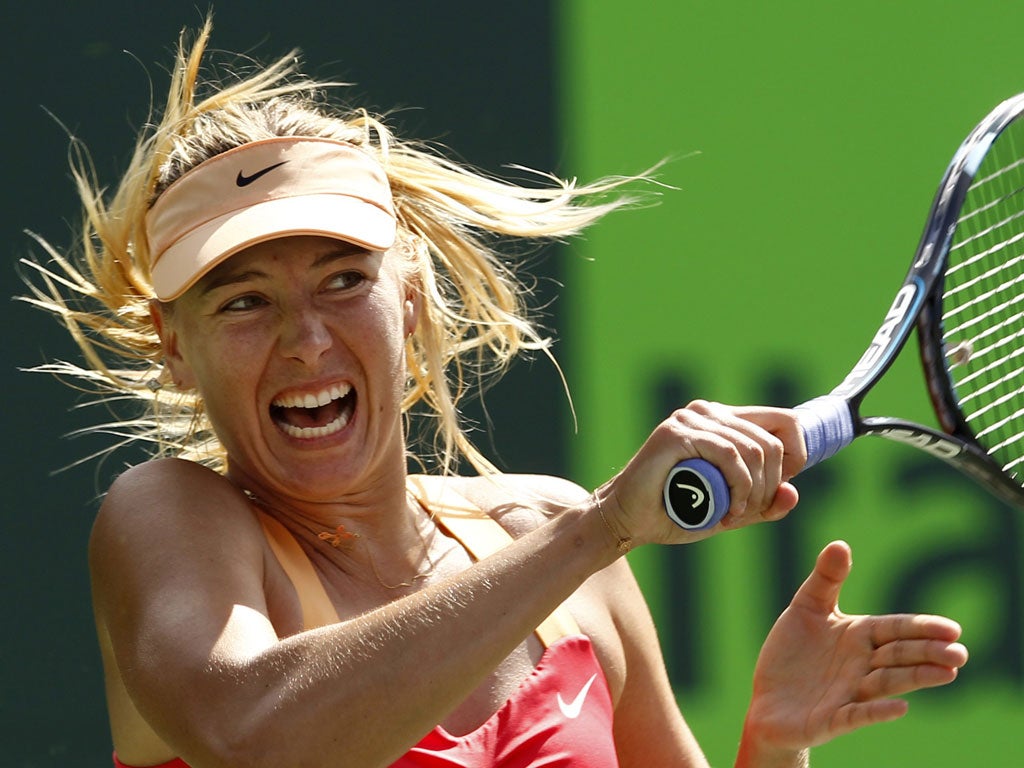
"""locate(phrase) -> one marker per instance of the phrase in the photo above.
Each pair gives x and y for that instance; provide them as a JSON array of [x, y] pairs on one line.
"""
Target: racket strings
[[983, 303], [1004, 341], [985, 255], [1000, 425], [992, 228], [996, 311], [988, 389], [1013, 165], [992, 367]]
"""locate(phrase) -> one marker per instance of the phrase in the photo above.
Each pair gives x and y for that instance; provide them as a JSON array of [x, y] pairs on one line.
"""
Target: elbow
[[238, 739], [252, 745]]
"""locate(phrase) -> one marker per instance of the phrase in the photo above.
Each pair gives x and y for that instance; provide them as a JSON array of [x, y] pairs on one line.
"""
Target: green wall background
[[807, 139]]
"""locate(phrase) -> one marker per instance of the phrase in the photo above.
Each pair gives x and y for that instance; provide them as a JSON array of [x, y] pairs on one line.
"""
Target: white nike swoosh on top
[[573, 709]]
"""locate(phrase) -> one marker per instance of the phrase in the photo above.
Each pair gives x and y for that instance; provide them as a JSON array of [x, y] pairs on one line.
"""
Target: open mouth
[[314, 415]]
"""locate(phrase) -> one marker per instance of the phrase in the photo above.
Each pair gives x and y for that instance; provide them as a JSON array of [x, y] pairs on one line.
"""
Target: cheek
[[225, 371], [391, 316], [386, 350]]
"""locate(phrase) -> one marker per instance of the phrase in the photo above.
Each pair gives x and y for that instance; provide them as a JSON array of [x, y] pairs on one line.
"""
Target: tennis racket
[[964, 294]]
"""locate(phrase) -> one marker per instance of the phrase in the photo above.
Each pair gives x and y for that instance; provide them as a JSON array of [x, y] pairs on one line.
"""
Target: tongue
[[312, 417]]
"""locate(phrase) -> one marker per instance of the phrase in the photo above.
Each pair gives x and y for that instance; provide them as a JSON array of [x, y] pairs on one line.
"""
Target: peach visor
[[261, 191]]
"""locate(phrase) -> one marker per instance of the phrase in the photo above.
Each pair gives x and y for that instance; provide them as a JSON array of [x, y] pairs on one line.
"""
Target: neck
[[383, 538], [374, 507]]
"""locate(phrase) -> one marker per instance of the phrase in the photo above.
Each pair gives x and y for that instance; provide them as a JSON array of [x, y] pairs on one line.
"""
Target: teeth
[[310, 432], [311, 400], [314, 400]]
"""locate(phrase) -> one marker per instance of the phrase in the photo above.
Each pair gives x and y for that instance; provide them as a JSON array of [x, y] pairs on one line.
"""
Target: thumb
[[820, 590]]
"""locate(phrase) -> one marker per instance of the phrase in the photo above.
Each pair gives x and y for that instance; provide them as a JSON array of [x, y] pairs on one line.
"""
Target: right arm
[[178, 570], [177, 565]]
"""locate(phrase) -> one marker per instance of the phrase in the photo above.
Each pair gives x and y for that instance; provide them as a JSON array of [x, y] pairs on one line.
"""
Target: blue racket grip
[[696, 494]]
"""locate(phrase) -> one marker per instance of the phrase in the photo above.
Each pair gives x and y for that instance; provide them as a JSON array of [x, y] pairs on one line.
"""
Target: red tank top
[[559, 717]]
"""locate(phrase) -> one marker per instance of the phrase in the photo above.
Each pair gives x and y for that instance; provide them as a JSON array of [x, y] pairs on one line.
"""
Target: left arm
[[649, 729], [820, 674]]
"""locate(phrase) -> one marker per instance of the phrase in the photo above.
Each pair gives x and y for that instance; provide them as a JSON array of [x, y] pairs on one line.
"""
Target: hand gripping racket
[[964, 293]]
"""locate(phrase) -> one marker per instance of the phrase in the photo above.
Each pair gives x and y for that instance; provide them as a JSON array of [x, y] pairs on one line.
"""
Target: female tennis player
[[284, 283]]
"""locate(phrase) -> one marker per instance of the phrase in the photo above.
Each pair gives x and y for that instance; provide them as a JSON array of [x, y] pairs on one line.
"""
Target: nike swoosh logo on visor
[[243, 181], [572, 710]]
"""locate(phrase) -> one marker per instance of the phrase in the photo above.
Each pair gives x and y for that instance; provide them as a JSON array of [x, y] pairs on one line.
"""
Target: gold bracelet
[[623, 544]]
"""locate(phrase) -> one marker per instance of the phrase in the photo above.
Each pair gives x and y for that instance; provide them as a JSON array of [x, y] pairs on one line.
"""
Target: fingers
[[915, 658], [786, 498], [782, 423], [905, 626], [860, 714], [896, 681], [911, 652], [750, 457], [907, 654]]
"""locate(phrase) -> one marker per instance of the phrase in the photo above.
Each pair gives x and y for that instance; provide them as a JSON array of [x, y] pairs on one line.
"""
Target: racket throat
[[828, 426]]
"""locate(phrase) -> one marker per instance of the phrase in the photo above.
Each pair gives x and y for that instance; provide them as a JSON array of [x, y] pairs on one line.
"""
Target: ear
[[411, 309], [170, 342]]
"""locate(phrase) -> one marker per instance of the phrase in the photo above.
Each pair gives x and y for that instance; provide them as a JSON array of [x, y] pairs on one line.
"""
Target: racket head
[[971, 323]]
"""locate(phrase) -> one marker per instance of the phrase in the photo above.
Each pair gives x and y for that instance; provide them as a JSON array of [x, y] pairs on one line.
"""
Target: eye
[[243, 303], [345, 281]]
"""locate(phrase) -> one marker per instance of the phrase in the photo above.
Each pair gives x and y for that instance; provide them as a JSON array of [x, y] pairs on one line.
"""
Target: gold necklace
[[415, 579], [344, 539]]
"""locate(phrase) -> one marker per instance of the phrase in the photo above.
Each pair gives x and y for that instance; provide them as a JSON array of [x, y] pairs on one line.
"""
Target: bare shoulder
[[170, 506], [608, 606], [162, 490], [519, 502], [523, 502], [164, 476]]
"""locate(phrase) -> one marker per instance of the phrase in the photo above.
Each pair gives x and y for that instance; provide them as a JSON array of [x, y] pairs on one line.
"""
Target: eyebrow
[[342, 250], [220, 276]]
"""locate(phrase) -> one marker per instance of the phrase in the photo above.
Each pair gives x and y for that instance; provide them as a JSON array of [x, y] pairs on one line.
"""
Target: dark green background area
[[475, 77]]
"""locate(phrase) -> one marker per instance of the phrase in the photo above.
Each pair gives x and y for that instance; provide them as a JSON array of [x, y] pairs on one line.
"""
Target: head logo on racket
[[696, 494], [693, 495]]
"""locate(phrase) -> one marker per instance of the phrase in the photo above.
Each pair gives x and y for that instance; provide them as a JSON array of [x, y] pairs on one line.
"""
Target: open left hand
[[822, 673]]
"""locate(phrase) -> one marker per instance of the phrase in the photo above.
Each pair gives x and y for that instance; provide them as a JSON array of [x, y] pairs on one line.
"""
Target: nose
[[304, 336]]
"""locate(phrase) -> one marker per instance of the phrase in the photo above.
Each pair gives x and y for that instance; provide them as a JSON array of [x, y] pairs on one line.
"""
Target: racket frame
[[833, 421], [918, 304]]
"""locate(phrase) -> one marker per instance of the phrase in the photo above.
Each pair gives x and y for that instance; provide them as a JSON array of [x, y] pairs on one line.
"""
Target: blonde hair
[[451, 219]]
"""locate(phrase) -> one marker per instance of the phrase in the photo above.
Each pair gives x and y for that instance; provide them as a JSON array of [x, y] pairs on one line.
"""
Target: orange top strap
[[317, 609]]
